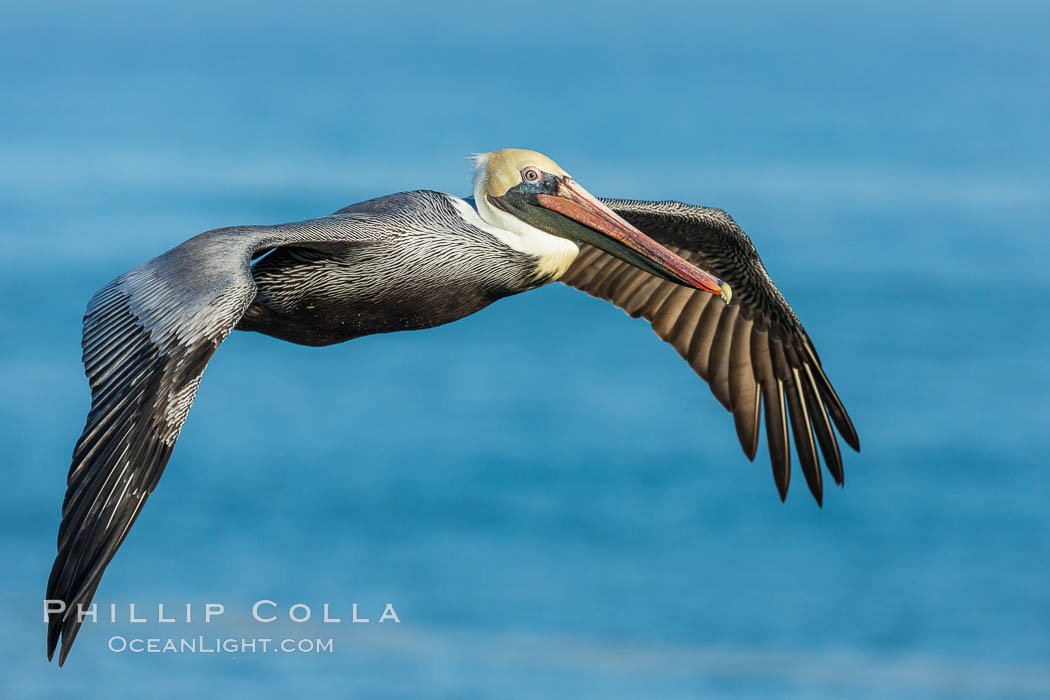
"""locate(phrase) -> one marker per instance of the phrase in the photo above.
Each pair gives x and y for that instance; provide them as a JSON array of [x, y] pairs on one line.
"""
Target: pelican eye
[[531, 174]]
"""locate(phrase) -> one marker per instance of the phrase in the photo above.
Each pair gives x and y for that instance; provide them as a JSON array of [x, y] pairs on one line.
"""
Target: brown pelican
[[416, 260]]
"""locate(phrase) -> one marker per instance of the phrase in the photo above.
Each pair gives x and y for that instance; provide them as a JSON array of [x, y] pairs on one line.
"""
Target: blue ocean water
[[553, 503]]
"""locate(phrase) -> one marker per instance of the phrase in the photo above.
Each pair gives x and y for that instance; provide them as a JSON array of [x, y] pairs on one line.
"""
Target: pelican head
[[530, 195]]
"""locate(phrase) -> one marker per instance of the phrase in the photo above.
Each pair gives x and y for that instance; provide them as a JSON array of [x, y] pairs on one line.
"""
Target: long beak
[[626, 242]]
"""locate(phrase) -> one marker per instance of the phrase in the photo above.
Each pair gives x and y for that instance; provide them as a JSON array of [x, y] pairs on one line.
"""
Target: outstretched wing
[[148, 335], [753, 351]]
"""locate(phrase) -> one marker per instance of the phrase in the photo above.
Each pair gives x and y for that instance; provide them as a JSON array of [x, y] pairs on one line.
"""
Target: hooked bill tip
[[727, 291]]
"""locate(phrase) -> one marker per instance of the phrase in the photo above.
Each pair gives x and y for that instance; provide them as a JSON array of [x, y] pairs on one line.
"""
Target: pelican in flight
[[416, 260]]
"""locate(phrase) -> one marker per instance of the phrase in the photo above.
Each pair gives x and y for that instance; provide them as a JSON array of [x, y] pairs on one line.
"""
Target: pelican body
[[416, 260], [440, 265]]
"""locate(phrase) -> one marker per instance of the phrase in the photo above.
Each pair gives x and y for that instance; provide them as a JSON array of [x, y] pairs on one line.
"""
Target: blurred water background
[[553, 503]]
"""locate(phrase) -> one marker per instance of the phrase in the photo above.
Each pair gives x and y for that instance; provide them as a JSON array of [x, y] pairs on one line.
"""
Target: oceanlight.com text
[[218, 645]]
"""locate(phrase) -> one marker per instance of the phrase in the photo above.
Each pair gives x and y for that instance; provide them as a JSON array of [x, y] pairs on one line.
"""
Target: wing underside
[[753, 352]]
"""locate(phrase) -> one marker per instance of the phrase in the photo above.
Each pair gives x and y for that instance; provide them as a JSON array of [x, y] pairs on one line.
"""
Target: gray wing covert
[[753, 352]]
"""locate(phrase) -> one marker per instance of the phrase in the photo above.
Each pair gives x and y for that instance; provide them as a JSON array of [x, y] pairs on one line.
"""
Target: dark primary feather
[[753, 352]]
